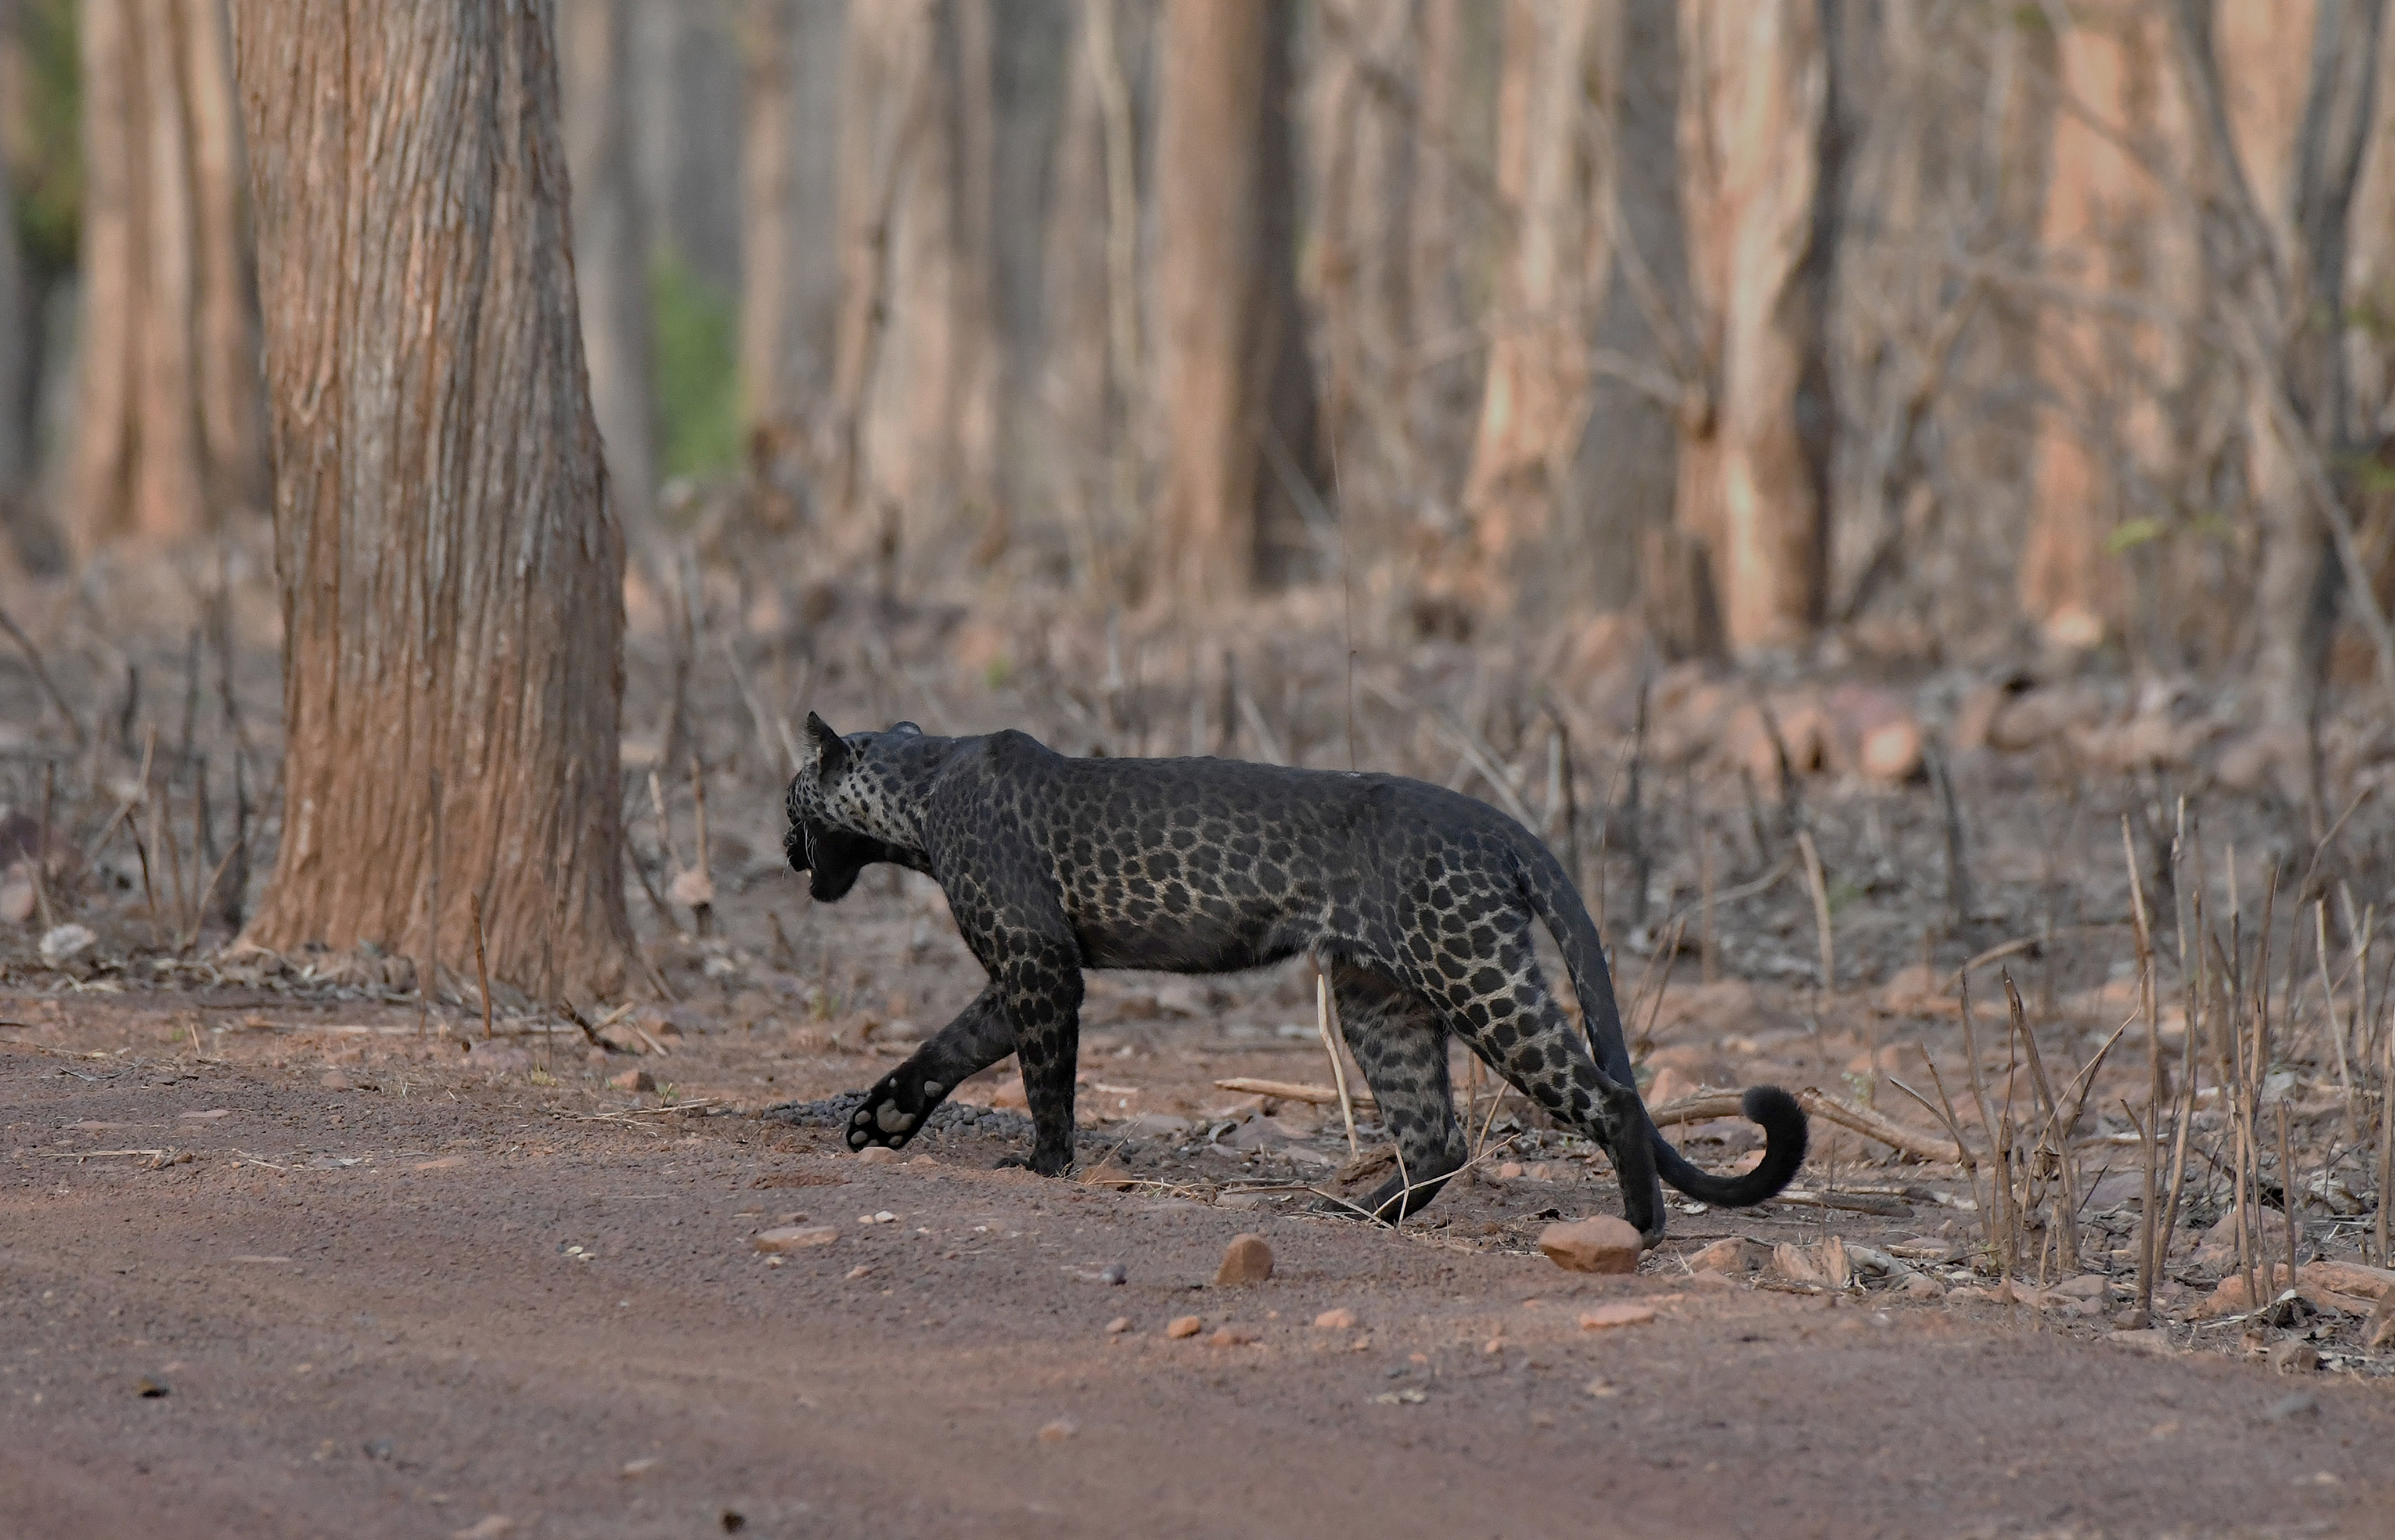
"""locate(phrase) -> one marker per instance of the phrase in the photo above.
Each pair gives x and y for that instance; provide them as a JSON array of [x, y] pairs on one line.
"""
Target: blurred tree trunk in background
[[2280, 128], [168, 430], [611, 247], [768, 236], [793, 101], [1758, 190], [1366, 147], [1032, 56], [452, 573], [1556, 171], [929, 436], [17, 353], [2104, 374], [1234, 398], [1091, 369]]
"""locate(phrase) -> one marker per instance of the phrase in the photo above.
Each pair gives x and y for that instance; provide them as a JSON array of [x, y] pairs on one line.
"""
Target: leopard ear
[[906, 729], [830, 754]]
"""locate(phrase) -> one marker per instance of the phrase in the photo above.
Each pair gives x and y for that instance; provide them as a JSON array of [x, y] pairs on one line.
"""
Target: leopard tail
[[1558, 906]]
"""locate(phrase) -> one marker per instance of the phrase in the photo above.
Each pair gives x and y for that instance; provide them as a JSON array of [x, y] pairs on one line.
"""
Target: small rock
[[641, 1467], [492, 1526], [1119, 1325], [62, 941], [1825, 1264], [2087, 1286], [2153, 1340], [633, 1080], [1509, 1171], [1246, 1260], [1731, 1253], [878, 1154], [1114, 1273], [1601, 1244], [1059, 1431], [1607, 1317], [333, 1080], [1340, 1319], [1183, 1325], [1921, 1287], [796, 1237], [1891, 752], [149, 1390], [2294, 1356], [1231, 1337]]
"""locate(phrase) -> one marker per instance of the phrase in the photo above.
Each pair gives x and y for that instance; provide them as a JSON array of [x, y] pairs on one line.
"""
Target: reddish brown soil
[[363, 1309]]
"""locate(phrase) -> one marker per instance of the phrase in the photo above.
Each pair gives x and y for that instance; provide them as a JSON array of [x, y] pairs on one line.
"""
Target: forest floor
[[286, 1247]]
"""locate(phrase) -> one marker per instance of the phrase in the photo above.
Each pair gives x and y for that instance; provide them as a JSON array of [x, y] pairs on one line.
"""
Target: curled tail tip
[[1785, 1131]]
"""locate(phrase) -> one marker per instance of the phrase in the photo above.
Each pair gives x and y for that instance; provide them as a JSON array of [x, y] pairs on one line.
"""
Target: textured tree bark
[[2284, 131], [929, 436], [611, 245], [1365, 155], [17, 357], [451, 570], [1234, 396], [1756, 194], [1554, 166], [168, 421], [768, 35], [2105, 228]]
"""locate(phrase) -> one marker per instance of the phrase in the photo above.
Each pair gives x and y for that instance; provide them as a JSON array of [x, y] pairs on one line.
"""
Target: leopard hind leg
[[1400, 1044], [1503, 1010], [895, 1109]]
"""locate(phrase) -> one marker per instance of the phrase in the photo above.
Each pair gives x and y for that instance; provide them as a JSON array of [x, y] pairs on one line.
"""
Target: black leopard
[[1418, 899]]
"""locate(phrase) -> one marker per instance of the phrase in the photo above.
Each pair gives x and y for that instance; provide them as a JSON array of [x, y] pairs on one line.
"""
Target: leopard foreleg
[[898, 1106], [1042, 982]]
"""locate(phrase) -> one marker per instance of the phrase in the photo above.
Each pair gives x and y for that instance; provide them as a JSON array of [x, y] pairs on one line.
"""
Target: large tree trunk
[[2101, 231], [2280, 131], [168, 426], [1556, 168], [611, 245], [1234, 398], [16, 352], [1756, 191], [1365, 150], [789, 199], [452, 572]]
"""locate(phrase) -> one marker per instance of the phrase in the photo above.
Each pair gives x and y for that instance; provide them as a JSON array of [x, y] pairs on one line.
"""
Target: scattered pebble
[[796, 1237], [1921, 1287], [862, 1269], [1509, 1171], [885, 1216], [1732, 1254], [1340, 1320], [1246, 1260], [1183, 1325], [1231, 1337], [1602, 1389], [1119, 1325], [149, 1390], [1606, 1317], [1059, 1431], [633, 1080], [641, 1466], [60, 943], [1601, 1244], [333, 1080], [490, 1528], [876, 1154]]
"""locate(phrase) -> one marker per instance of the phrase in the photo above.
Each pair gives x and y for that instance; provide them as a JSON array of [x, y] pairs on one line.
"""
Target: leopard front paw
[[888, 1116], [1041, 1161]]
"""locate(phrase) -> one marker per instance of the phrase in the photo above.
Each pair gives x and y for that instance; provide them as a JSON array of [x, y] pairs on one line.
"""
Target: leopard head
[[858, 800]]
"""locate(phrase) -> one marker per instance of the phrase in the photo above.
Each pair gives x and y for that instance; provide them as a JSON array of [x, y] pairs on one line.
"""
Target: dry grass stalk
[[1819, 888], [1330, 1046], [2003, 1231], [42, 677], [2049, 1153], [703, 912], [2149, 1257], [481, 963]]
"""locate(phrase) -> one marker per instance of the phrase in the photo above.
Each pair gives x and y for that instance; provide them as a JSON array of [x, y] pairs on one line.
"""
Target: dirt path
[[365, 1312]]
